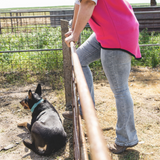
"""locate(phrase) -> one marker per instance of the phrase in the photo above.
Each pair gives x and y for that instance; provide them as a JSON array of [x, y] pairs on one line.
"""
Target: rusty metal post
[[67, 67], [80, 151], [99, 150], [11, 22], [0, 27], [76, 142]]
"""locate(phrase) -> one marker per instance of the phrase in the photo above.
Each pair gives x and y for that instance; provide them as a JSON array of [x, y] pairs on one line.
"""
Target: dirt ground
[[145, 89]]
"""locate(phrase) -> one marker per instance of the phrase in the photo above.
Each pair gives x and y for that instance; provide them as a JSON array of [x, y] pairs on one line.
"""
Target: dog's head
[[32, 98]]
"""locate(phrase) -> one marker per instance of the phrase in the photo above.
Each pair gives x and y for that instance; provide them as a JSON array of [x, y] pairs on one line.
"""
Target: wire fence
[[31, 47], [18, 21]]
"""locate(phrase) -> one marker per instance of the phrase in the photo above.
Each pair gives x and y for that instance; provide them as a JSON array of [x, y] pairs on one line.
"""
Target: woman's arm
[[76, 9], [82, 16]]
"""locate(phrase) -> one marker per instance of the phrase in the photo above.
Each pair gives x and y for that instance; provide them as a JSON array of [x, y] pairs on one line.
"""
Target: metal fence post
[[0, 28], [11, 22], [99, 150], [67, 67]]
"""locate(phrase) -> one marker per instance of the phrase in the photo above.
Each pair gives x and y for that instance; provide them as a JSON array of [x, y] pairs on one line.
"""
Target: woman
[[114, 41]]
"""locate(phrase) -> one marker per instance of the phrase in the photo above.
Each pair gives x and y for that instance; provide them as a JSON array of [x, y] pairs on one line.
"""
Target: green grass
[[44, 38], [59, 7], [31, 8], [67, 6], [27, 67], [142, 4], [34, 38], [30, 66], [150, 54]]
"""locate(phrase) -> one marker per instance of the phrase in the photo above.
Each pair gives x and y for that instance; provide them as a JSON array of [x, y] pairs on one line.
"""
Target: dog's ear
[[30, 94], [38, 90]]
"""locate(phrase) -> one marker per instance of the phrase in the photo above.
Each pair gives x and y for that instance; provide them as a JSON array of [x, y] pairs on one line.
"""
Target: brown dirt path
[[145, 89]]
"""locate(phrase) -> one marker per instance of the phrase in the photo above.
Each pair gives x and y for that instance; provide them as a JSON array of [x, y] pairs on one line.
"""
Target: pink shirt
[[116, 26]]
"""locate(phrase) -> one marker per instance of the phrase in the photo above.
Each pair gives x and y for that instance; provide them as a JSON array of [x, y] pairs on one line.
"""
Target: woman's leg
[[117, 65], [89, 52]]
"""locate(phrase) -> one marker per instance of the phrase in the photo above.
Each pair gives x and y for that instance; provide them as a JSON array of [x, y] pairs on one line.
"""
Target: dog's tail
[[39, 151]]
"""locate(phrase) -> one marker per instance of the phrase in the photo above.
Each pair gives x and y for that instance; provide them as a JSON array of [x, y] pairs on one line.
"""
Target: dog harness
[[36, 104]]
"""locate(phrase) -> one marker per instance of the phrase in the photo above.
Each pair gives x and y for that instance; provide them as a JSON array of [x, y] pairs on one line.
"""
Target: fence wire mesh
[[31, 48]]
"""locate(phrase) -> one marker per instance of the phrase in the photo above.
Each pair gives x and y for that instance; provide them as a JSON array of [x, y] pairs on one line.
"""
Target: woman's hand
[[72, 37], [83, 14], [68, 33]]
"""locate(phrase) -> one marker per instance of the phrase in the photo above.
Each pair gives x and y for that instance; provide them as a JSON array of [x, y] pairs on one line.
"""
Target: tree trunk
[[153, 2]]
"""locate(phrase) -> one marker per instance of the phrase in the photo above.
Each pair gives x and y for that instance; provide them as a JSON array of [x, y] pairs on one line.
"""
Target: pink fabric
[[116, 26]]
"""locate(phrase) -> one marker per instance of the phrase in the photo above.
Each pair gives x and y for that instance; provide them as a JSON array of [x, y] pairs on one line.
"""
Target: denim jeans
[[116, 65]]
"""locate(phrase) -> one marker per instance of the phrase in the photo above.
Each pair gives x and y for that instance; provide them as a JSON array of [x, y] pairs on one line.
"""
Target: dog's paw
[[28, 143], [24, 124]]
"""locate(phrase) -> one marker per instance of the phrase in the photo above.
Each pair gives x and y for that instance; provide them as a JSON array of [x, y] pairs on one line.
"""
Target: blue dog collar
[[35, 105]]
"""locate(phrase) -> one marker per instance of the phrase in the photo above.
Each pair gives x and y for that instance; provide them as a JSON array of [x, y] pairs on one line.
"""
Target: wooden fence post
[[67, 67]]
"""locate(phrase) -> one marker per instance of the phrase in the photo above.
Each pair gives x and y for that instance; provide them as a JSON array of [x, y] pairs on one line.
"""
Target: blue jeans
[[116, 65]]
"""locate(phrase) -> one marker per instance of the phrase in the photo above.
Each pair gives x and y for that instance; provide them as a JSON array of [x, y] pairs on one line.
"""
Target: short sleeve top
[[115, 26], [78, 2]]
